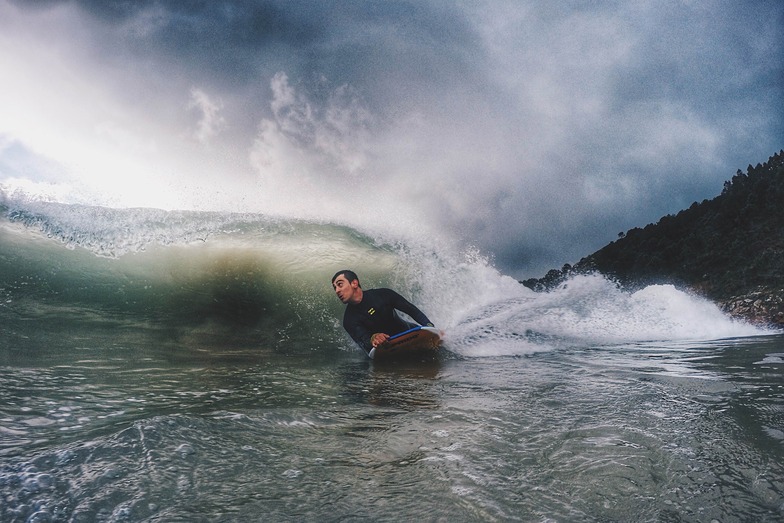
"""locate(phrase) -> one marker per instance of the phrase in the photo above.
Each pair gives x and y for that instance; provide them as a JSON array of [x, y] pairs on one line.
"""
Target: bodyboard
[[413, 342]]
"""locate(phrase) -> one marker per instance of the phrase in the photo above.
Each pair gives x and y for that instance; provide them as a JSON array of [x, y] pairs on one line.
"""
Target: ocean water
[[184, 366]]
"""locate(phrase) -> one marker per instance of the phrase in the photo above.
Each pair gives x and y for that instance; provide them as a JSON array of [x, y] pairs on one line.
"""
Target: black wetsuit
[[376, 313]]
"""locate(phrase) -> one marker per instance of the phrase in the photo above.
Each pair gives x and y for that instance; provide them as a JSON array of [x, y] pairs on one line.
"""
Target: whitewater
[[190, 365]]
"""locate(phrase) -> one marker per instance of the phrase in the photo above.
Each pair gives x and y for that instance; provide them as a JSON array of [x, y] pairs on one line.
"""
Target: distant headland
[[729, 249]]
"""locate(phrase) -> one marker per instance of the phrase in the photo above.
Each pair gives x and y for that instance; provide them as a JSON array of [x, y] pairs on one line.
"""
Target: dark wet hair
[[350, 276]]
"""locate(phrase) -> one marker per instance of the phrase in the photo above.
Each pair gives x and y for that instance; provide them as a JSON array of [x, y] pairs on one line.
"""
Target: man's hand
[[378, 338]]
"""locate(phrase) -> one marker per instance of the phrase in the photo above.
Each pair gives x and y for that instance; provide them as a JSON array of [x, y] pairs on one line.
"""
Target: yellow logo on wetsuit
[[371, 311]]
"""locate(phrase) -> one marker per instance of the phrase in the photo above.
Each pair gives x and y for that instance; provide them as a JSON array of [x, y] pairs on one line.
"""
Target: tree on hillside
[[722, 247]]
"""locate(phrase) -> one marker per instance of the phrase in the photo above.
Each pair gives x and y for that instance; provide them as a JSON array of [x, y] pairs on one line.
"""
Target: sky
[[532, 130]]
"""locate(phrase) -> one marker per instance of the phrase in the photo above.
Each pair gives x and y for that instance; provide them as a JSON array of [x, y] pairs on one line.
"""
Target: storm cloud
[[533, 130]]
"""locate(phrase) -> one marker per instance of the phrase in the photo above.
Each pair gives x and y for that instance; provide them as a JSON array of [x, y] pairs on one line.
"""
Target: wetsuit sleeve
[[357, 331], [404, 305]]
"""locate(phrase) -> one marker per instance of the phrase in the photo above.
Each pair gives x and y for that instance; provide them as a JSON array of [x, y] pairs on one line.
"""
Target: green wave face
[[224, 272]]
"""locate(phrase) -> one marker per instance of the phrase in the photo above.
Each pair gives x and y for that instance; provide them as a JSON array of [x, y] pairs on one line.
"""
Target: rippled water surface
[[142, 425]]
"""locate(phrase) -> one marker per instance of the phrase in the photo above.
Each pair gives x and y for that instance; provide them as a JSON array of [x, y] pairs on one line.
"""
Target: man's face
[[345, 289]]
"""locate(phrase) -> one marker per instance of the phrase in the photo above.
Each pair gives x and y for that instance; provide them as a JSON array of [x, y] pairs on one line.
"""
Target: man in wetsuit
[[370, 317]]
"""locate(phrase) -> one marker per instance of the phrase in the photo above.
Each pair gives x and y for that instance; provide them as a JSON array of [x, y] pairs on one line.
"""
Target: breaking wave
[[269, 277]]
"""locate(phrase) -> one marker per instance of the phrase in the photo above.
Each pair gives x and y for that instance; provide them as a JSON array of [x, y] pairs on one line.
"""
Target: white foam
[[585, 311]]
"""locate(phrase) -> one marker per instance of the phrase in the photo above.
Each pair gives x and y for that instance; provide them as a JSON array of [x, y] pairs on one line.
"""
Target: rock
[[761, 307]]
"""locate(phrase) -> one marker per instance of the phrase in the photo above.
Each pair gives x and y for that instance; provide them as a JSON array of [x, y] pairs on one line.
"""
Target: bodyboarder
[[370, 317]]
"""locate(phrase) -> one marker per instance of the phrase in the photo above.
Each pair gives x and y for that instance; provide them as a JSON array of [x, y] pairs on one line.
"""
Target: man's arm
[[409, 308], [357, 331]]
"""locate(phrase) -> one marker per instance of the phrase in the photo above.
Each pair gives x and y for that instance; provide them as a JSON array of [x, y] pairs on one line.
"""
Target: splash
[[588, 311]]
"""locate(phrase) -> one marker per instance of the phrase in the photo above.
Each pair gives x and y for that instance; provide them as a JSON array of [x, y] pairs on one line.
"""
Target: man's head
[[347, 287]]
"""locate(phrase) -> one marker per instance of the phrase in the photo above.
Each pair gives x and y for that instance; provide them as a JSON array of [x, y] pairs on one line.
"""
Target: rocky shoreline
[[763, 307]]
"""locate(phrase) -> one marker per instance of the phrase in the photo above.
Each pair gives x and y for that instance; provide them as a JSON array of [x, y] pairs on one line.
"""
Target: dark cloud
[[353, 39]]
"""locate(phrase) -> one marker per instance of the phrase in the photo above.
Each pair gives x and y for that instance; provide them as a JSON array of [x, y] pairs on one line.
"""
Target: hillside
[[729, 249]]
